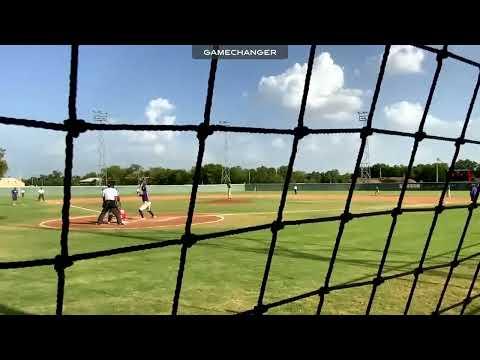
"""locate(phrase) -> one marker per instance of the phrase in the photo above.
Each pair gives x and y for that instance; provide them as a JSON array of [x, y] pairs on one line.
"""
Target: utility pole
[[226, 164], [365, 164], [101, 118], [438, 160]]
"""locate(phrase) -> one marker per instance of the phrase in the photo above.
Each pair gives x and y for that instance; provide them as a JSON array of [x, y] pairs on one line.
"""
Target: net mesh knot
[[204, 131], [259, 309], [323, 291], [418, 271], [189, 239], [366, 132], [396, 211], [454, 263], [420, 135], [301, 131], [346, 217], [442, 54], [276, 226], [378, 281], [62, 262], [460, 141], [75, 127], [439, 209]]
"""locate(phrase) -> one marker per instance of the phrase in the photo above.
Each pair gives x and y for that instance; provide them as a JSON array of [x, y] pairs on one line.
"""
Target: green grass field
[[223, 276]]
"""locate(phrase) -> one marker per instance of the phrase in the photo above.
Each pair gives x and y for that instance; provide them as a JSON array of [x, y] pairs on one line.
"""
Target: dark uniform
[[473, 193], [14, 196], [229, 190], [146, 203]]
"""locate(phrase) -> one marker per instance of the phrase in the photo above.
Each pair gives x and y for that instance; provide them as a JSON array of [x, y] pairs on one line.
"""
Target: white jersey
[[109, 194], [41, 191]]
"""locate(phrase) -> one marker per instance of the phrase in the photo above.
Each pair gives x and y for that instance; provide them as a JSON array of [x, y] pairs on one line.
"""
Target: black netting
[[74, 127]]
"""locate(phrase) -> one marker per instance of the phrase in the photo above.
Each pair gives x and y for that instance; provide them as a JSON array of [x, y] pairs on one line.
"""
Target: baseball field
[[223, 275]]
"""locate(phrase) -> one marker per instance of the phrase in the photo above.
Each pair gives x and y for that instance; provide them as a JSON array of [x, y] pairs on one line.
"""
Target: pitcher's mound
[[89, 222]]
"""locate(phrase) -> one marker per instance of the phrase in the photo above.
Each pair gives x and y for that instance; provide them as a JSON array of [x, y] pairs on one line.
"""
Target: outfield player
[[295, 189], [229, 190], [377, 190], [147, 204], [14, 196], [41, 194], [23, 193], [111, 198]]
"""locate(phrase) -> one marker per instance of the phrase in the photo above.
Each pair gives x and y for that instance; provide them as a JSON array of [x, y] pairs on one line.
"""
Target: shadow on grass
[[285, 252], [153, 238], [474, 311], [6, 310]]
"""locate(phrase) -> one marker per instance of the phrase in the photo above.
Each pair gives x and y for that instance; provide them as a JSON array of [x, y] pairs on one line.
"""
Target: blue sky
[[163, 84]]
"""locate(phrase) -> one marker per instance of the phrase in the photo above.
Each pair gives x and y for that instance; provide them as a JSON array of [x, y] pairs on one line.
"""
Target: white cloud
[[244, 93], [405, 59], [406, 116], [356, 72], [278, 143], [158, 112], [327, 96]]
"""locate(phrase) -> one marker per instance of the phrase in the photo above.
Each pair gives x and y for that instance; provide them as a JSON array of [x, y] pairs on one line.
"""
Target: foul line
[[82, 208], [318, 210]]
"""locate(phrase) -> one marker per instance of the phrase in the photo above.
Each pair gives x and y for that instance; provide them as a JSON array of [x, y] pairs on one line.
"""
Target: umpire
[[110, 197]]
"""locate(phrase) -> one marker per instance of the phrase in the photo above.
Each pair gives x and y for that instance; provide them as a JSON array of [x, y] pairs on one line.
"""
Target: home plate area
[[89, 222]]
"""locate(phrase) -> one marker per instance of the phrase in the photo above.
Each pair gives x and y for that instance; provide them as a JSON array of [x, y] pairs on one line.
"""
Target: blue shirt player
[[473, 192], [14, 196]]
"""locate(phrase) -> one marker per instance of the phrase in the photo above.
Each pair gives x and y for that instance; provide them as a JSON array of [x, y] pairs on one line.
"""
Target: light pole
[[438, 160]]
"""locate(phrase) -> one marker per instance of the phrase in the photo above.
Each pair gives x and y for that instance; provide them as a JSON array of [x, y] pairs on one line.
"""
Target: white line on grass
[[316, 210], [82, 208]]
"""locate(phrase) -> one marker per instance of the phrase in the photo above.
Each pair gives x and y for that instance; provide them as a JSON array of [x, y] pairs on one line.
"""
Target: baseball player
[[474, 193], [377, 190], [295, 189], [41, 194], [229, 190], [147, 204], [111, 198], [23, 193], [14, 196]]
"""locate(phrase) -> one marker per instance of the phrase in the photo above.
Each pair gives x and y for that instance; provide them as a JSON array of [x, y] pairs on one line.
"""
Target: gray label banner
[[232, 52]]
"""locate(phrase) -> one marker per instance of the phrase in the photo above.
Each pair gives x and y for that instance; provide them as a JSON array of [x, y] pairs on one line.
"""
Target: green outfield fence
[[425, 186], [87, 191]]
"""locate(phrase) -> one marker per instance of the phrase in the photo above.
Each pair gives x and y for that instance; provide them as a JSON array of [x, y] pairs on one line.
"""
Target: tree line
[[3, 163], [212, 174]]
